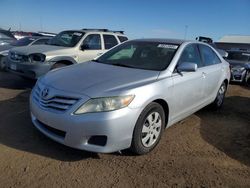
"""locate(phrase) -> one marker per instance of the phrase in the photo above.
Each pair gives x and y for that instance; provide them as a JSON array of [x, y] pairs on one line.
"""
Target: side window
[[208, 55], [40, 41], [191, 54], [125, 53], [92, 42], [122, 38], [109, 41]]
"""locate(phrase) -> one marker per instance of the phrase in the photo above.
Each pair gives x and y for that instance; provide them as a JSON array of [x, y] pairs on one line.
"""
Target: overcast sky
[[138, 18]]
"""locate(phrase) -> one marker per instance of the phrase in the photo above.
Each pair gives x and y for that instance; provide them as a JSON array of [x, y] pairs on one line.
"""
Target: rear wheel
[[218, 102], [148, 129]]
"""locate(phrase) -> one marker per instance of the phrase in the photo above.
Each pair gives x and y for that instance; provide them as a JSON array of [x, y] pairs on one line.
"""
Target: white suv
[[66, 48]]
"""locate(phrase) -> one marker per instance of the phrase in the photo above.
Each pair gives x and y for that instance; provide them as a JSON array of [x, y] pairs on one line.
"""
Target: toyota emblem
[[45, 93]]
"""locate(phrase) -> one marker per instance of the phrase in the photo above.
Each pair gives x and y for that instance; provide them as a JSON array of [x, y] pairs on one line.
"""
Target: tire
[[219, 100], [247, 79], [58, 65], [2, 63], [148, 129]]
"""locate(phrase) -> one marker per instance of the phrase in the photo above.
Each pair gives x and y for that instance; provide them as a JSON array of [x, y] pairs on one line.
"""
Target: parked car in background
[[240, 66], [6, 37], [66, 48], [26, 41], [48, 34], [209, 41], [22, 34], [129, 95]]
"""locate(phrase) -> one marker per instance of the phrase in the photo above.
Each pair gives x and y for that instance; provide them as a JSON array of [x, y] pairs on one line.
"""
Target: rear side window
[[122, 38], [92, 42], [191, 55], [109, 41], [208, 55]]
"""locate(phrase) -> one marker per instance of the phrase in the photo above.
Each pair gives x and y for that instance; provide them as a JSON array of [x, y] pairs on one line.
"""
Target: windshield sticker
[[77, 34], [169, 46]]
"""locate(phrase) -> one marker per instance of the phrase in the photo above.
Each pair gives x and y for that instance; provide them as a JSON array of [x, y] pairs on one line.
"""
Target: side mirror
[[84, 47], [187, 67]]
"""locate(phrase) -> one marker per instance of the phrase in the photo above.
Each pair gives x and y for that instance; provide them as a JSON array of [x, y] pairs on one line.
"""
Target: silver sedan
[[129, 95]]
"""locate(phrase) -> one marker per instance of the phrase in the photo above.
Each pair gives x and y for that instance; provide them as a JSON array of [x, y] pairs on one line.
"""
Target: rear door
[[188, 91], [212, 71]]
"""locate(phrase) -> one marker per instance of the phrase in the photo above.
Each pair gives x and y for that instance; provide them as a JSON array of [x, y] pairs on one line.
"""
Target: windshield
[[23, 42], [66, 38], [239, 56], [141, 55]]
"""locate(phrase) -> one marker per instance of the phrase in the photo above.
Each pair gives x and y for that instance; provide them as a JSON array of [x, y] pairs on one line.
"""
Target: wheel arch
[[165, 107], [63, 59]]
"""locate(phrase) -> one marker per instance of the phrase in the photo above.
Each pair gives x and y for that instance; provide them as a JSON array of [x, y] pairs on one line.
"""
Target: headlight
[[5, 52], [37, 57], [105, 104], [238, 69]]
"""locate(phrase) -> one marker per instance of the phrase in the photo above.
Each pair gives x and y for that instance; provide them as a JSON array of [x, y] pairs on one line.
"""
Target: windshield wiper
[[54, 44], [122, 65], [96, 60]]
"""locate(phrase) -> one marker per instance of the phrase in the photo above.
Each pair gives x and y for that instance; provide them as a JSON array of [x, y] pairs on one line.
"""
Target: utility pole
[[41, 24], [20, 26], [185, 33]]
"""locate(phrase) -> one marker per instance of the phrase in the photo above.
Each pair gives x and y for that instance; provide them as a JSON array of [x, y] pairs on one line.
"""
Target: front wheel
[[148, 129], [219, 100], [247, 79]]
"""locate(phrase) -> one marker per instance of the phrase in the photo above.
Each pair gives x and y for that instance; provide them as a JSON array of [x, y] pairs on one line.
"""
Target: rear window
[[109, 41], [122, 38], [208, 55]]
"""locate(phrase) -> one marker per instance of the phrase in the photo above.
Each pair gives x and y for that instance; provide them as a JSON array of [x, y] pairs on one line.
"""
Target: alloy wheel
[[221, 94], [151, 129]]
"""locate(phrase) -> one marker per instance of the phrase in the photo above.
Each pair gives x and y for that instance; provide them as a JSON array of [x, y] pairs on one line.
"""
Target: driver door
[[188, 87], [91, 47]]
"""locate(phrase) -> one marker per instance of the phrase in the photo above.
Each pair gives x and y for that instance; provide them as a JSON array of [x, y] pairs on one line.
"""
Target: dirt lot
[[208, 149]]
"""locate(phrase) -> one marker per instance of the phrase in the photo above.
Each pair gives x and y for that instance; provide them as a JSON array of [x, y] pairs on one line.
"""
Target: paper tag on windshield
[[169, 46], [77, 34]]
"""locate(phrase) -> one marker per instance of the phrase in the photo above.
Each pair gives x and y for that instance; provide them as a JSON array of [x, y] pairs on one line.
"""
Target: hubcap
[[151, 129], [221, 95]]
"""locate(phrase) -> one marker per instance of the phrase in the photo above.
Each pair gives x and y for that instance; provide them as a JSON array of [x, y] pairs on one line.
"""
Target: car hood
[[97, 79], [44, 49], [234, 63], [5, 47]]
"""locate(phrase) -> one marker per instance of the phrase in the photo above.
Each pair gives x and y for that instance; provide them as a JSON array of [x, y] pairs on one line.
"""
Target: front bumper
[[27, 69], [114, 128], [238, 76]]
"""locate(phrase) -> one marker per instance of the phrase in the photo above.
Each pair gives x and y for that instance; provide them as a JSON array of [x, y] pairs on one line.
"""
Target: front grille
[[18, 57], [54, 101]]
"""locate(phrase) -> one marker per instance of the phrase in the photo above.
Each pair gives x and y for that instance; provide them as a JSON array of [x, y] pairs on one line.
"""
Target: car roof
[[37, 37], [96, 31], [171, 41]]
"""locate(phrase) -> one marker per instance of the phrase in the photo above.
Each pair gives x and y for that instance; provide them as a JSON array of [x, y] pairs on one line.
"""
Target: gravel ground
[[207, 149]]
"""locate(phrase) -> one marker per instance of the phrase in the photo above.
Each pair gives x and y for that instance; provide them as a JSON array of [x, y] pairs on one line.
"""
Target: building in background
[[234, 42]]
